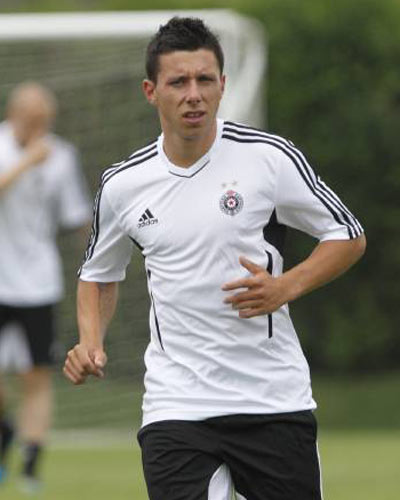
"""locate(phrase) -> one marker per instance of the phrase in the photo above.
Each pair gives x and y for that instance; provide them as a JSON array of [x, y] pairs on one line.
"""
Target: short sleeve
[[110, 248], [73, 200], [304, 202]]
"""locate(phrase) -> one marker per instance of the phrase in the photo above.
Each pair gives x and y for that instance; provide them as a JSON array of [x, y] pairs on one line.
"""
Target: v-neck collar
[[198, 165]]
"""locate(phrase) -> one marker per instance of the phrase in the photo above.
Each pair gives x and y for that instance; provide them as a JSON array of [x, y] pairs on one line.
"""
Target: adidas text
[[148, 222]]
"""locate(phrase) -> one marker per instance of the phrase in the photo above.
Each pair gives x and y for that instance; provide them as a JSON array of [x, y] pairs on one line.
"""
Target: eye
[[206, 78], [177, 82]]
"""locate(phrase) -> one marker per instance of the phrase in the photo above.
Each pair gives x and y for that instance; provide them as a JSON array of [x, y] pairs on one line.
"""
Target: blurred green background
[[333, 88]]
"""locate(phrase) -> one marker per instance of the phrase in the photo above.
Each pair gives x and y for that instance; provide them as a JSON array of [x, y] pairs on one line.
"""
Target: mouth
[[193, 117]]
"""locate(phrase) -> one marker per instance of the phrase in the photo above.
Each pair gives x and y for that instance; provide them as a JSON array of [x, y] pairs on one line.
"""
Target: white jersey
[[44, 198], [191, 225]]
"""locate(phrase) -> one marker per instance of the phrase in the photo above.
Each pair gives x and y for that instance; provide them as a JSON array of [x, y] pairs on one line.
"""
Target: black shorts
[[37, 324], [265, 457]]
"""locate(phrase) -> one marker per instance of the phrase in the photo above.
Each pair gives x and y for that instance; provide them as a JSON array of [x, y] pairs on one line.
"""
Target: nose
[[193, 95]]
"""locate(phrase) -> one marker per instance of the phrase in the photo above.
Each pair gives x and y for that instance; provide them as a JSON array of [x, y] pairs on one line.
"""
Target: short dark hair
[[181, 33]]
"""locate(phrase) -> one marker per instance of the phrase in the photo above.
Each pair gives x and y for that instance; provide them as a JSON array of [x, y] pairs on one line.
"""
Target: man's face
[[187, 93], [30, 120]]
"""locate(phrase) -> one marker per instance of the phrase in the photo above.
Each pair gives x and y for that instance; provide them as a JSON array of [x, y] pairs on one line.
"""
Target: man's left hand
[[264, 294]]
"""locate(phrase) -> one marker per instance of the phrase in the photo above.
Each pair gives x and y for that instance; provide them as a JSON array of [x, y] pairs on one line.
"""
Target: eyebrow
[[185, 77]]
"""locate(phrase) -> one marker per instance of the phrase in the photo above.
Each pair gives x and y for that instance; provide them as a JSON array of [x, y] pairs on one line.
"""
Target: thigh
[[180, 463], [38, 325], [274, 457]]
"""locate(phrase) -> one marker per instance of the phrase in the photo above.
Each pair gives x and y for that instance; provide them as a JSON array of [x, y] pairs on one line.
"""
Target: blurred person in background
[[41, 191]]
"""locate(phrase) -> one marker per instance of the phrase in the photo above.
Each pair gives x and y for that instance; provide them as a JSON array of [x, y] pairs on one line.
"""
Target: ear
[[223, 81], [149, 90]]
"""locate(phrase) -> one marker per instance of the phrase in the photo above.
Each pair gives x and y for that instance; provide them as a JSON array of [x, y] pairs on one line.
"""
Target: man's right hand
[[36, 152], [82, 361]]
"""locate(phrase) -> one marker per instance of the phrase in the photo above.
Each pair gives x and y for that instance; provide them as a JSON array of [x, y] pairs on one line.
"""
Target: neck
[[185, 151]]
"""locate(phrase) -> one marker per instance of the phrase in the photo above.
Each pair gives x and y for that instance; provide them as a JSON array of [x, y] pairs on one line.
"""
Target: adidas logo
[[147, 219]]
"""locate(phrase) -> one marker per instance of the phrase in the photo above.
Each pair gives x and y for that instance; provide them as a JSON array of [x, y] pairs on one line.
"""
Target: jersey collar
[[198, 165]]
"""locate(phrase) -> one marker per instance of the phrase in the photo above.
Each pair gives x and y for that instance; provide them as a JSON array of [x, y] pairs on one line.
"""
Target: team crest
[[231, 203]]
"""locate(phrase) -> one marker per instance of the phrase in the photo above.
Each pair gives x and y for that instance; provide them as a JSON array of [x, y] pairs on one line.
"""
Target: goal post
[[94, 62], [243, 41]]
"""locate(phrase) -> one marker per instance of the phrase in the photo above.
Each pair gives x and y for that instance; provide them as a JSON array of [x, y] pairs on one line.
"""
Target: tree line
[[333, 88]]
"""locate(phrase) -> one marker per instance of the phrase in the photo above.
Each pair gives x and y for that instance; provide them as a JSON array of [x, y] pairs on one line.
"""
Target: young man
[[228, 397], [40, 190]]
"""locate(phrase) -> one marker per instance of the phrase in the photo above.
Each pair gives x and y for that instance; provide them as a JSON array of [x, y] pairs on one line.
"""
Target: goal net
[[94, 62]]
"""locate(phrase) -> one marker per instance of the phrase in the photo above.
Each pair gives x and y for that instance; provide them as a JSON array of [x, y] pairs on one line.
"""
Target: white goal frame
[[243, 41]]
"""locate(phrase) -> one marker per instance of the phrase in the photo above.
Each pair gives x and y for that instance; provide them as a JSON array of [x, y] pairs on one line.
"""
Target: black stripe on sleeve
[[144, 150], [318, 187], [133, 160], [105, 178], [340, 216]]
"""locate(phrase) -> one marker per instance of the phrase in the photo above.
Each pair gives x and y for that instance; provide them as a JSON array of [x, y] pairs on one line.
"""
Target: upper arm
[[110, 248], [305, 202]]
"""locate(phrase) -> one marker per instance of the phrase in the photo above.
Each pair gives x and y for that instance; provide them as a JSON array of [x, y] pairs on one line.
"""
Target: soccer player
[[41, 190], [228, 401]]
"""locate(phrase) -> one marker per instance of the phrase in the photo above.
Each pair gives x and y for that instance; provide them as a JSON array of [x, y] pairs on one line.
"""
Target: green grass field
[[359, 441], [356, 466]]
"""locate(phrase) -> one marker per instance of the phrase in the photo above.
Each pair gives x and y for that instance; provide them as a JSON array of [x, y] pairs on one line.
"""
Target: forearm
[[260, 293], [8, 178], [329, 260], [96, 303], [35, 153]]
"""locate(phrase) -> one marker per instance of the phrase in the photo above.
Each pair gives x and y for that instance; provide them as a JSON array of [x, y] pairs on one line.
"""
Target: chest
[[222, 201]]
